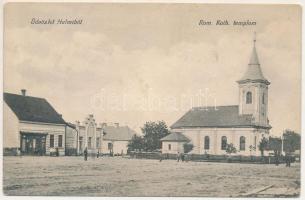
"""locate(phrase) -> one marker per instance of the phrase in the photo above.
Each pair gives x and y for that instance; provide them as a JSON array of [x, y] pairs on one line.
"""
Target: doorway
[[33, 143]]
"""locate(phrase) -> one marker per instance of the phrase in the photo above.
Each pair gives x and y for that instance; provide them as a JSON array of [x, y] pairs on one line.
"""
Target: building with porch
[[211, 129], [32, 126]]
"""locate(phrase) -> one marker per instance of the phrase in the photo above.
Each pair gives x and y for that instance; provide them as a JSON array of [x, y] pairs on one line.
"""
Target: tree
[[275, 144], [292, 141], [230, 148], [262, 146], [153, 132], [136, 143], [188, 147]]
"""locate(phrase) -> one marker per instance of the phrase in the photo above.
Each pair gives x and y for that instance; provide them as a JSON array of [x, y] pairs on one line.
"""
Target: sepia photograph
[[152, 99]]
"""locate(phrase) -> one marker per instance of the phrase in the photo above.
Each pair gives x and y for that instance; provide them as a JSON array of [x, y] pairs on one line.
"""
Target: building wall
[[257, 107], [71, 135], [174, 149], [11, 136], [118, 146], [94, 134], [197, 135], [50, 129]]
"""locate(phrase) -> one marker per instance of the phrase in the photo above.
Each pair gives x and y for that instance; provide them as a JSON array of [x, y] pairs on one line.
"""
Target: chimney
[[116, 125], [23, 92]]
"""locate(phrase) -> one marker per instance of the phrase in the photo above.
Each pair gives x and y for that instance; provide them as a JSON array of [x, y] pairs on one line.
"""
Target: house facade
[[95, 137], [116, 139], [173, 143], [211, 129], [32, 126]]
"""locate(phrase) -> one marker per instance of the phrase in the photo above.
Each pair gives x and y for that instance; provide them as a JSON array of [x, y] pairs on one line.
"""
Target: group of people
[[180, 157], [287, 159], [86, 154]]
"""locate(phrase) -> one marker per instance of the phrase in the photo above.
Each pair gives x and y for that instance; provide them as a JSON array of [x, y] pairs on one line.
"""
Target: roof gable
[[33, 109]]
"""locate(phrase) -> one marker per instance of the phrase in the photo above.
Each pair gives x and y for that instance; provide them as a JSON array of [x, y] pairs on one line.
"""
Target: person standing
[[85, 154], [288, 162], [277, 159]]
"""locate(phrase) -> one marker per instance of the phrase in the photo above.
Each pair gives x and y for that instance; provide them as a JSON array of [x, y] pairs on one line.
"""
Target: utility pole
[[282, 143]]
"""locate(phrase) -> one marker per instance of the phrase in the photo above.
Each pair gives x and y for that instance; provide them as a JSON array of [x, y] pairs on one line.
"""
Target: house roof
[[222, 116], [254, 72], [33, 109], [175, 137], [123, 133]]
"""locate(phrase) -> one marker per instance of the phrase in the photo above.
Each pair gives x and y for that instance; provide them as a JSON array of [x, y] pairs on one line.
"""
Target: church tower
[[253, 91]]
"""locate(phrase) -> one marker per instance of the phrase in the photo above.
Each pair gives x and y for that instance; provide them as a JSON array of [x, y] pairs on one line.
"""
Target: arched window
[[206, 142], [249, 98], [223, 143], [263, 99], [242, 143]]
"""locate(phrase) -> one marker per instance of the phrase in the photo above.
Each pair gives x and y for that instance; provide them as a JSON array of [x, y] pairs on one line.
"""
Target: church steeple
[[253, 91], [254, 58], [254, 72]]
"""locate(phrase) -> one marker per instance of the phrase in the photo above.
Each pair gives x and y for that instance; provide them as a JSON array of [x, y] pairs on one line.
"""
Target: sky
[[132, 63]]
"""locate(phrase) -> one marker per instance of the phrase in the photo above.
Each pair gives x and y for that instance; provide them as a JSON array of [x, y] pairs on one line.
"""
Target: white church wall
[[233, 136]]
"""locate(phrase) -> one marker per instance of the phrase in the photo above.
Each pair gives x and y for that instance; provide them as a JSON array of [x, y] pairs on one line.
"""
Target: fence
[[207, 157]]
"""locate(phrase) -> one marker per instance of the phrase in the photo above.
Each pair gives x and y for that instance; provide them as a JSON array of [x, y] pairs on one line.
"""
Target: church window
[[206, 142], [169, 147], [223, 143], [242, 143], [249, 98], [263, 99]]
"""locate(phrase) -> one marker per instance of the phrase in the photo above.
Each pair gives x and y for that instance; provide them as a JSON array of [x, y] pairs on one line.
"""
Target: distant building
[[31, 125], [85, 135], [97, 137], [173, 143], [116, 138], [211, 129]]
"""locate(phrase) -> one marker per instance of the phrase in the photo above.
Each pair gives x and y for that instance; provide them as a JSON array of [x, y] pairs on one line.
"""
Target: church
[[211, 129]]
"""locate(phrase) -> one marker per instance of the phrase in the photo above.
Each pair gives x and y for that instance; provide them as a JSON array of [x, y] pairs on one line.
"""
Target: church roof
[[123, 133], [175, 137], [33, 109], [254, 72], [221, 117]]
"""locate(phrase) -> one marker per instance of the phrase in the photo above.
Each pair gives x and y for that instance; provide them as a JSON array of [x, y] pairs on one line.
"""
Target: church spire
[[254, 58], [254, 72]]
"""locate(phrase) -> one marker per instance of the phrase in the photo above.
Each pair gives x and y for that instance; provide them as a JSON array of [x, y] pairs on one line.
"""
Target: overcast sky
[[134, 63]]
